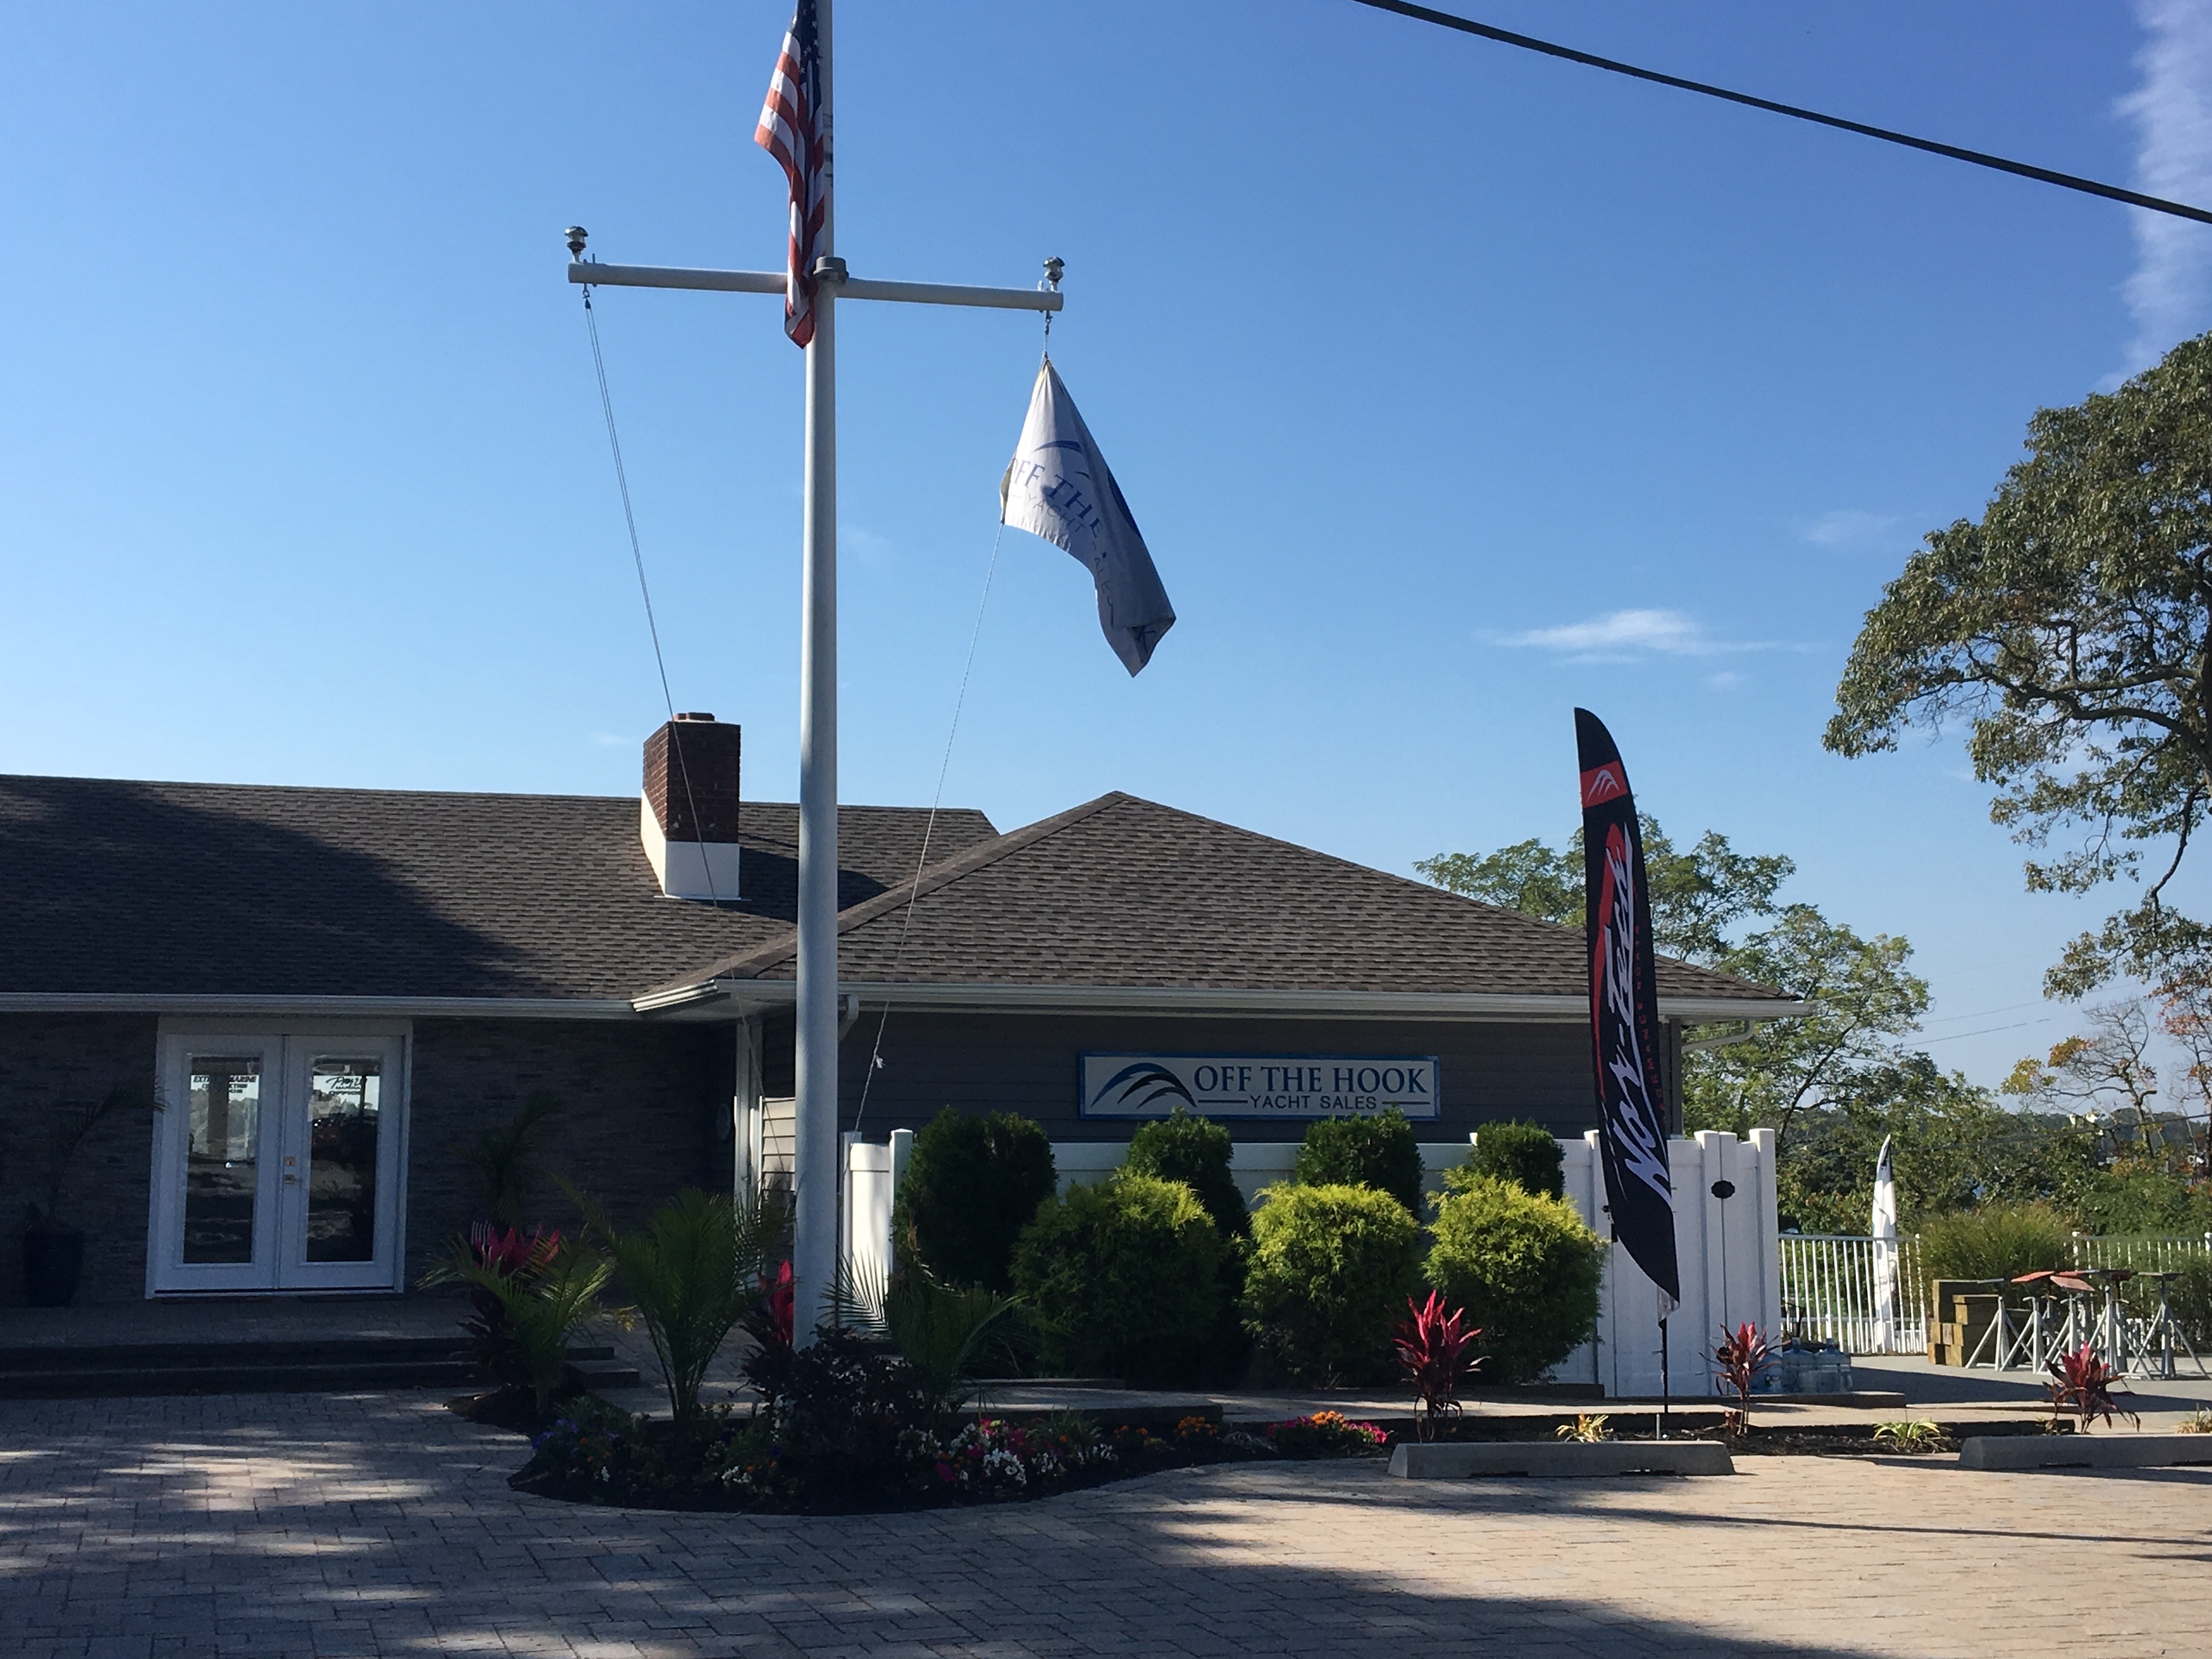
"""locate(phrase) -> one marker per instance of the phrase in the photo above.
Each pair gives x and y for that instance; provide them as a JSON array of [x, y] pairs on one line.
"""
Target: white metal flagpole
[[816, 1177], [816, 1174]]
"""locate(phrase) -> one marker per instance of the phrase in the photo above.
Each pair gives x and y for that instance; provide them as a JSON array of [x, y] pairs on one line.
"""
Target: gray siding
[[1027, 1064]]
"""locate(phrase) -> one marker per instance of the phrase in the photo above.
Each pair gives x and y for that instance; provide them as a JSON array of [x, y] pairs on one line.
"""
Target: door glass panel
[[344, 1094], [222, 1157]]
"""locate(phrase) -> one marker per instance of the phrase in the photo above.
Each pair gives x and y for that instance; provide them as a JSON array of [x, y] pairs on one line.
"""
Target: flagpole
[[814, 1156], [817, 1177]]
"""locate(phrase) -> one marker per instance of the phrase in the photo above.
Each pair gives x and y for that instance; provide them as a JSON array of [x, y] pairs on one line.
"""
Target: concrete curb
[[1561, 1459], [2094, 1451]]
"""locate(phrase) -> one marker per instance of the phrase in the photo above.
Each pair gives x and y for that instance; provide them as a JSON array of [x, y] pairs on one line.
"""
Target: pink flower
[[945, 1470]]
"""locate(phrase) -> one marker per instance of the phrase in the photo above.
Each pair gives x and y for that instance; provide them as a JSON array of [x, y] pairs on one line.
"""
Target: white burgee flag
[[1058, 487], [1884, 1250]]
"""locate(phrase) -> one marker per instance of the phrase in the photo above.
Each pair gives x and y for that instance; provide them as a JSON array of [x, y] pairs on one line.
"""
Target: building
[[335, 991]]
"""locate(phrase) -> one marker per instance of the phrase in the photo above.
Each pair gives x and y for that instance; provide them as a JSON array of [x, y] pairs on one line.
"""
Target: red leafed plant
[[2083, 1383], [512, 1254], [769, 1323], [1743, 1357], [1432, 1349]]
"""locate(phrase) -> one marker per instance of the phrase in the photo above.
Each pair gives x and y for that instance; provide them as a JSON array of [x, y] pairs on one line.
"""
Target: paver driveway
[[382, 1524]]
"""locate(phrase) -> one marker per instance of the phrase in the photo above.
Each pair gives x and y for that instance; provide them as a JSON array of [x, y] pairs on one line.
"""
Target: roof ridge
[[8, 778], [933, 877]]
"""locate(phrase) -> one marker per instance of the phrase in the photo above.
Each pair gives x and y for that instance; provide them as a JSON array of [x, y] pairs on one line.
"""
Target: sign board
[[1257, 1086]]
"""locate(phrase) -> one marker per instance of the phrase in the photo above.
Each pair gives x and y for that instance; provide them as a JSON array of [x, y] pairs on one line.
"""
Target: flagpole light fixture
[[1052, 268], [577, 236]]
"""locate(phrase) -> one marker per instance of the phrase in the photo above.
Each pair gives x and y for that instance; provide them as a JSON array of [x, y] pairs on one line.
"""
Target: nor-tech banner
[[1258, 1086]]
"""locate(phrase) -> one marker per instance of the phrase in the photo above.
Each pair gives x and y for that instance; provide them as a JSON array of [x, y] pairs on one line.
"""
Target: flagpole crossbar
[[594, 275]]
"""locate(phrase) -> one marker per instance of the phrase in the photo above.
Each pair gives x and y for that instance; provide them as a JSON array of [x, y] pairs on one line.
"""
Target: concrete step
[[326, 1365]]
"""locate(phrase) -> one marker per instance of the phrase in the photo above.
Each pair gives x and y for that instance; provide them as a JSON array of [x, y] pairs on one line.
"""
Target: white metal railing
[[2145, 1253], [1827, 1285], [1827, 1294]]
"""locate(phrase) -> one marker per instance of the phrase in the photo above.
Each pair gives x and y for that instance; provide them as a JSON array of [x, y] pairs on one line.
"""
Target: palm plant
[[543, 1307], [693, 1271], [938, 1328]]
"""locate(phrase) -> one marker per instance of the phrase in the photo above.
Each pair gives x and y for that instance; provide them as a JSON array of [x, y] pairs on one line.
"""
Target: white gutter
[[755, 995], [75, 1002]]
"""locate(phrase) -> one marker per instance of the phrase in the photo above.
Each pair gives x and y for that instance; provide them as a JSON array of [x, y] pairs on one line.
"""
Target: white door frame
[[285, 1050]]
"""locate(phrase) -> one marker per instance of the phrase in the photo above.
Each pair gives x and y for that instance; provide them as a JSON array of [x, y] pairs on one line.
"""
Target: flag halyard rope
[[929, 826], [637, 558]]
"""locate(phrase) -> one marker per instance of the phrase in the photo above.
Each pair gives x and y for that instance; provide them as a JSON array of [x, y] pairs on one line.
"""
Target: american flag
[[794, 130]]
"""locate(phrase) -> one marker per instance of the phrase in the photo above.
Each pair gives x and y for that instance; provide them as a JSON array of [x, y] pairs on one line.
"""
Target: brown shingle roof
[[110, 887], [1122, 891]]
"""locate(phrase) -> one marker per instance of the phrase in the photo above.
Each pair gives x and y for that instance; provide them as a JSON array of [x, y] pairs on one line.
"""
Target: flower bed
[[599, 1455]]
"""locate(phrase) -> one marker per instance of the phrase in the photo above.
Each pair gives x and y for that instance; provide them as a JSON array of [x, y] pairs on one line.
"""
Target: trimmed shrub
[[1377, 1151], [1523, 1154], [1994, 1241], [1194, 1151], [1330, 1269], [1524, 1266], [1123, 1277], [974, 1182]]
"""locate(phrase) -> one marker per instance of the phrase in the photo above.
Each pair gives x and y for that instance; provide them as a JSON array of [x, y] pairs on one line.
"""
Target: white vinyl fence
[[1827, 1284]]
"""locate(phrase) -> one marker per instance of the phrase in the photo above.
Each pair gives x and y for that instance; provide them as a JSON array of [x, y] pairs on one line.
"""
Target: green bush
[[1524, 1266], [1123, 1277], [1994, 1241], [1523, 1154], [1377, 1151], [973, 1184], [1194, 1151], [1330, 1269]]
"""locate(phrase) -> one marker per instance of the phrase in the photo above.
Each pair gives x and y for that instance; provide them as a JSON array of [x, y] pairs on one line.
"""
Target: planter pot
[[51, 1264]]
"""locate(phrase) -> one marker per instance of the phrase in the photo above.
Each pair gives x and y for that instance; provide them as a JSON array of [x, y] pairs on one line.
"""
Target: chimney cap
[[708, 718]]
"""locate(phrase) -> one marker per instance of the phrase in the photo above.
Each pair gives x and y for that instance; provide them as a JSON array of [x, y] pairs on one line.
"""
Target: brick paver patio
[[382, 1524]]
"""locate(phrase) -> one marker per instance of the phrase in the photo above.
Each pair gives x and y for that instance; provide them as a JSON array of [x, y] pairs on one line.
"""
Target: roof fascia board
[[707, 998], [79, 1002]]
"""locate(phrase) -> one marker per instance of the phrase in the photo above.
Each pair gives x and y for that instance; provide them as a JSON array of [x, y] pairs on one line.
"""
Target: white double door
[[277, 1163]]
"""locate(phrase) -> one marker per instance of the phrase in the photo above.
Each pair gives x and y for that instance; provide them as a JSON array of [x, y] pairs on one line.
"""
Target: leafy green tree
[[1864, 997], [1697, 896], [1951, 1145], [2071, 627]]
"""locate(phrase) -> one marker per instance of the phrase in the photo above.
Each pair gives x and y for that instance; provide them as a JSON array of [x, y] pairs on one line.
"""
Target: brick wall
[[49, 1063], [640, 1105]]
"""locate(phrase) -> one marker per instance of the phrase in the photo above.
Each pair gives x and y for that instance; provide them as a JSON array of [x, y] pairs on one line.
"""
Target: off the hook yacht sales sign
[[1258, 1086]]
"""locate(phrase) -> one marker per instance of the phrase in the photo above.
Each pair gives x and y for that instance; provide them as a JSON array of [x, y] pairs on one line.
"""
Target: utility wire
[[637, 557], [1977, 158]]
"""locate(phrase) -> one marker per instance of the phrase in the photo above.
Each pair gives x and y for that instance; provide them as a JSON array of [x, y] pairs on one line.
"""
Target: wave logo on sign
[[1145, 1074]]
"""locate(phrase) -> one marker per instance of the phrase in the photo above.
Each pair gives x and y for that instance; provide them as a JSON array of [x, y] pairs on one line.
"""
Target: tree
[[1697, 896], [1951, 1145], [1863, 998], [2070, 626], [2109, 1071]]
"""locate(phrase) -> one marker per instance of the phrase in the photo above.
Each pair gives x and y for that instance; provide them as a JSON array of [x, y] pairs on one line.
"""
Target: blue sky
[[1452, 386]]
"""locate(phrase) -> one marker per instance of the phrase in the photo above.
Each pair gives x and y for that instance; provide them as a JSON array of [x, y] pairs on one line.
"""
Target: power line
[[1978, 158]]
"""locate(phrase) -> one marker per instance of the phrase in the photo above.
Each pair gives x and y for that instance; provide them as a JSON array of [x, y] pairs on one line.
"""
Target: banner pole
[[1666, 1396]]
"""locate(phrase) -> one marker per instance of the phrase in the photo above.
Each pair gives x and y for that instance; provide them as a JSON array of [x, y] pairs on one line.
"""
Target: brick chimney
[[688, 816]]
